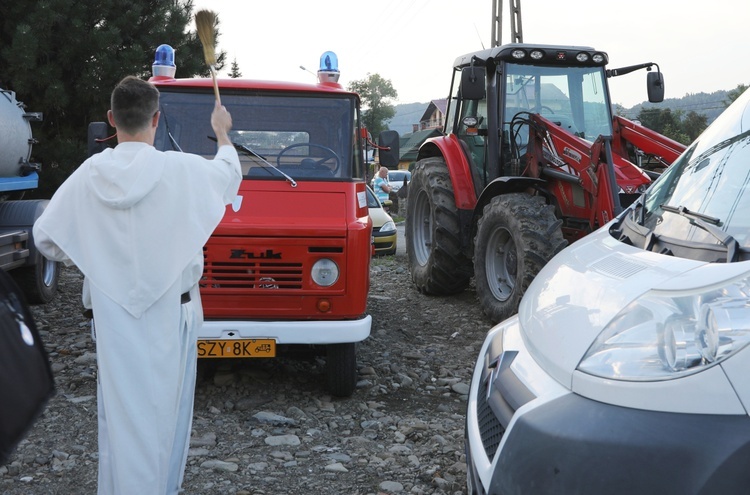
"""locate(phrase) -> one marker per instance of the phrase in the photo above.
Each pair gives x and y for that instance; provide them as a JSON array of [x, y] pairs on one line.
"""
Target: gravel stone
[[269, 426]]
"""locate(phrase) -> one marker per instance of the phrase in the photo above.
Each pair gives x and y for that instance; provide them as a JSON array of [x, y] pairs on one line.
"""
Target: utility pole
[[515, 22]]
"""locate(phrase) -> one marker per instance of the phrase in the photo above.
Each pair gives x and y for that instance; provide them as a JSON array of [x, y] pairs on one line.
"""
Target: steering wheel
[[315, 164]]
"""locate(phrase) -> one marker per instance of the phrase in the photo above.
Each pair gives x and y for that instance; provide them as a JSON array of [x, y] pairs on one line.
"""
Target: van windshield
[[712, 180]]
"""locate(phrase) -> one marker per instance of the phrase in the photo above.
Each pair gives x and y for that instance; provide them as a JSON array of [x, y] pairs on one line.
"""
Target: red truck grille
[[251, 275]]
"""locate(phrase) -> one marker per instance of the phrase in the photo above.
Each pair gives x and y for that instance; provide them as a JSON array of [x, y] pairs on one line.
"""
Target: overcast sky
[[700, 46]]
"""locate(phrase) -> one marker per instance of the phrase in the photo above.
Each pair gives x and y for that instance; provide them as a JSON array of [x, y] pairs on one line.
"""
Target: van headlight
[[325, 272], [662, 336]]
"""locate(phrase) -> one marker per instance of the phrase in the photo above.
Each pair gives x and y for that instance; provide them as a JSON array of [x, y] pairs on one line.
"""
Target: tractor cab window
[[573, 98]]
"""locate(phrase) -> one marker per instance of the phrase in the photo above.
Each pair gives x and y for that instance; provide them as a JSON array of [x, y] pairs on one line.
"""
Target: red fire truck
[[289, 264]]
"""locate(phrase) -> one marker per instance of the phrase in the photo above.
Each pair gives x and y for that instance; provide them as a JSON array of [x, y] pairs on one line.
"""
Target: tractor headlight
[[664, 336], [325, 272]]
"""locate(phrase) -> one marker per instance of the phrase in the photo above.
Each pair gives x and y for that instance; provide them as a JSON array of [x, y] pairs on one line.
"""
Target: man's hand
[[221, 121]]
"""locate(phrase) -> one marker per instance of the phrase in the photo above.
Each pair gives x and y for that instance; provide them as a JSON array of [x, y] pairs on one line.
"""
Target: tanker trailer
[[36, 275]]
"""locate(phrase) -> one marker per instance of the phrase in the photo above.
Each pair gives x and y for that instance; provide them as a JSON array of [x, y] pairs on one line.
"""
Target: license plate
[[245, 348]]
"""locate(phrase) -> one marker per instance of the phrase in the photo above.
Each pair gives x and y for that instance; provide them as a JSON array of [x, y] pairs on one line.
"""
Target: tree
[[672, 124], [376, 94], [693, 124], [735, 93], [235, 70], [63, 58]]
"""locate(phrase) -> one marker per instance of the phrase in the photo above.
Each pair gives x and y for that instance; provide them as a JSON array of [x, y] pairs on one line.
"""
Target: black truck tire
[[341, 368], [39, 281], [516, 236], [437, 263]]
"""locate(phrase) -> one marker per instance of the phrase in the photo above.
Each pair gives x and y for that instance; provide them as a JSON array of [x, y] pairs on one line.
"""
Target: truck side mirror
[[655, 86], [390, 140], [473, 83], [97, 134]]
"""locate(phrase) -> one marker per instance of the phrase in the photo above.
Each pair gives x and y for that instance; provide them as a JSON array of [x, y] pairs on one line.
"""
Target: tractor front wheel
[[516, 236]]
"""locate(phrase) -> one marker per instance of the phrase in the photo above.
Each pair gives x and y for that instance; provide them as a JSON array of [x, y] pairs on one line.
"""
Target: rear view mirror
[[655, 86], [388, 151], [473, 83], [96, 138]]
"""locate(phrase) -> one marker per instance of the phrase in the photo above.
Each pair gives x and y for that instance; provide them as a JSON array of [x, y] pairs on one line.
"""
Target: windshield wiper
[[245, 149], [709, 224]]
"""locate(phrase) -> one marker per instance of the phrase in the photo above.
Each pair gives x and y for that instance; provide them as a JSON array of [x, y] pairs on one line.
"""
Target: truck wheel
[[38, 282], [433, 231], [516, 236], [341, 368]]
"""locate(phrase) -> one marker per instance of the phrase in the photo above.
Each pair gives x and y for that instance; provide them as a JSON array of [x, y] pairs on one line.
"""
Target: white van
[[627, 369]]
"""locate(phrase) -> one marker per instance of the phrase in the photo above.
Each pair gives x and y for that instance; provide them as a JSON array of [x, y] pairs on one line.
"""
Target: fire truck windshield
[[305, 137]]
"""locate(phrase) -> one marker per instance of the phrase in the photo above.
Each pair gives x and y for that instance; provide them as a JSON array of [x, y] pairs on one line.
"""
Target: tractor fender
[[459, 167]]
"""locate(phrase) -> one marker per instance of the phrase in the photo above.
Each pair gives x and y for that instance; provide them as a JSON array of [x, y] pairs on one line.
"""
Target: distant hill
[[406, 115], [708, 104]]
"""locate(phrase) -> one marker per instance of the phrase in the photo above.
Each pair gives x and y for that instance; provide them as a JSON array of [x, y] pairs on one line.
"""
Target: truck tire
[[341, 368], [516, 236], [437, 264], [39, 281]]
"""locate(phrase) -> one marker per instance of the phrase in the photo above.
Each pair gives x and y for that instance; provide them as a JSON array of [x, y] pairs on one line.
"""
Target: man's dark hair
[[134, 102]]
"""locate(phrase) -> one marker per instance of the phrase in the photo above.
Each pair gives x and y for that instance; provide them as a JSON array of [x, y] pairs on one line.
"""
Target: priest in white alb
[[134, 221]]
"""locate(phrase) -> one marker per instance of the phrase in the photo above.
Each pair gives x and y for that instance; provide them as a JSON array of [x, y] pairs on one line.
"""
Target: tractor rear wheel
[[433, 231], [516, 236]]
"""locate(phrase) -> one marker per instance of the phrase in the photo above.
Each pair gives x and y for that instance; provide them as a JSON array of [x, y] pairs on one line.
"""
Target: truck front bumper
[[289, 332]]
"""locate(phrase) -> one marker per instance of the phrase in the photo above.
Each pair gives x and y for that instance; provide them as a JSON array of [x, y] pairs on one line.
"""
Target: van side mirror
[[473, 85], [389, 156], [655, 86]]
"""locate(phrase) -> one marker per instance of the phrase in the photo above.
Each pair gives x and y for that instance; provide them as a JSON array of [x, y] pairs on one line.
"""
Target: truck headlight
[[662, 336], [325, 272]]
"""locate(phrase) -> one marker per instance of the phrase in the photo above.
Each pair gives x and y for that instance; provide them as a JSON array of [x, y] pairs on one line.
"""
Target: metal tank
[[15, 136]]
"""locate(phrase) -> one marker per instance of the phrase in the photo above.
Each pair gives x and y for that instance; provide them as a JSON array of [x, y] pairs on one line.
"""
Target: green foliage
[[683, 129], [735, 93], [376, 94], [63, 58], [235, 72]]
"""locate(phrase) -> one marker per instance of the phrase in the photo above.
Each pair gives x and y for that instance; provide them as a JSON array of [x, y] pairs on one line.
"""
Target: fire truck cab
[[289, 263]]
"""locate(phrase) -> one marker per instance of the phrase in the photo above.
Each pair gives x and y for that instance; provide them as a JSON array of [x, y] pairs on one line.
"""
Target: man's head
[[383, 172], [134, 104]]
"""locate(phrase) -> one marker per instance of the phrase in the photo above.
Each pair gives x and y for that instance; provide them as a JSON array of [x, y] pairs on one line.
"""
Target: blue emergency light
[[164, 65], [329, 68]]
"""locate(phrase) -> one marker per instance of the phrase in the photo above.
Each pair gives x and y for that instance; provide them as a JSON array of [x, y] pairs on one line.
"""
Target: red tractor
[[531, 159]]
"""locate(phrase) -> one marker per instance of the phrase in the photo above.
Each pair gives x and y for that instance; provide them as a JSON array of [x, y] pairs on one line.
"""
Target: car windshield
[[710, 181], [303, 136], [399, 176], [372, 201]]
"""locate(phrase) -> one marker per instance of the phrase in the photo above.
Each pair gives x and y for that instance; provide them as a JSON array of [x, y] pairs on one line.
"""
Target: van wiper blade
[[709, 224]]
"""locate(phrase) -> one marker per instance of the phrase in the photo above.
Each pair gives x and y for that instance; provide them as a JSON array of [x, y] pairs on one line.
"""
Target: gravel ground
[[269, 426]]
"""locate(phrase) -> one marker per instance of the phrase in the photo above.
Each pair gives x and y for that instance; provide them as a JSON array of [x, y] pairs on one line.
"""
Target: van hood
[[584, 287]]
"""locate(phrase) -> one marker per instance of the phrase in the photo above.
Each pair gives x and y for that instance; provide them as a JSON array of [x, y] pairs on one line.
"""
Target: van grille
[[490, 429]]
